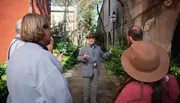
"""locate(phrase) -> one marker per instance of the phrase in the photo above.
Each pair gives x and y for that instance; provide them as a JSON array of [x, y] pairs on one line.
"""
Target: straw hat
[[145, 61], [90, 36]]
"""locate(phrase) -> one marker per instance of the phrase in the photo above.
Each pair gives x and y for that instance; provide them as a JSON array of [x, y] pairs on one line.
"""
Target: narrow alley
[[106, 90]]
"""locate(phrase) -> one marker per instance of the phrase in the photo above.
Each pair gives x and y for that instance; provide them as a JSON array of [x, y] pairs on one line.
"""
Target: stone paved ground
[[106, 90]]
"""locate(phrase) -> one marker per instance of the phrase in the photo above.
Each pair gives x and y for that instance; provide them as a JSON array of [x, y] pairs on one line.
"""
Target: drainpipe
[[30, 6]]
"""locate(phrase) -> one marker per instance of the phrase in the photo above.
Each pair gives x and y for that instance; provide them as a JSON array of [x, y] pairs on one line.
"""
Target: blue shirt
[[15, 44], [34, 75]]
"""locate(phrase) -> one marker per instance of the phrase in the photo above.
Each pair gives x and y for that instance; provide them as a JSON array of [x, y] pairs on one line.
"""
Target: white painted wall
[[57, 15]]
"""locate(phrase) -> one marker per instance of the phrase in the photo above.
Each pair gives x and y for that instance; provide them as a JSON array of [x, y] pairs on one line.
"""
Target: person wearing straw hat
[[90, 55], [147, 81]]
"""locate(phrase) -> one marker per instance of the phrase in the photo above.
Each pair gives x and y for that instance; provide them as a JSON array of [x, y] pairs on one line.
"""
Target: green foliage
[[3, 85], [175, 70], [99, 38], [70, 51], [87, 11], [63, 2], [114, 62]]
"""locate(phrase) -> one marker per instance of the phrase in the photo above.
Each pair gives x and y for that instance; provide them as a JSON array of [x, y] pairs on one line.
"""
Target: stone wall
[[156, 17]]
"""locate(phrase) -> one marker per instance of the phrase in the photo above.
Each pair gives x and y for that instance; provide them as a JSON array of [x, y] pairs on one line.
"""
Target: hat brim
[[153, 76], [90, 37]]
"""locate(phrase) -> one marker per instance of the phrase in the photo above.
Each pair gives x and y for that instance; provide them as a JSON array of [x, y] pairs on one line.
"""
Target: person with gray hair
[[16, 42]]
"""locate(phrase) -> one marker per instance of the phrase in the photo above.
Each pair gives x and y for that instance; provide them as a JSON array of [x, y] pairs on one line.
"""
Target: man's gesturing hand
[[86, 56]]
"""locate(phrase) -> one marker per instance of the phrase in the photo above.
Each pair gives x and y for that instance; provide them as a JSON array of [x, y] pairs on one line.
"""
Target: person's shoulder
[[12, 41], [46, 54], [84, 46], [173, 86], [171, 80], [132, 91], [171, 76], [20, 43], [129, 87], [135, 86], [34, 49], [97, 46]]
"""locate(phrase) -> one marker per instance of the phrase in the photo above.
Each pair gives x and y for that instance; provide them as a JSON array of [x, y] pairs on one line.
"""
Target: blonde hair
[[32, 27]]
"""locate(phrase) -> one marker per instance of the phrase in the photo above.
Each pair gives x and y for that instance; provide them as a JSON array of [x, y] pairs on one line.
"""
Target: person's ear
[[44, 34], [130, 39], [127, 37]]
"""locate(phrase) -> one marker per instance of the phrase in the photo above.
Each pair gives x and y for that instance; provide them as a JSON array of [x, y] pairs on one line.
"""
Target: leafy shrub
[[70, 51], [100, 38], [175, 70], [3, 85], [114, 62]]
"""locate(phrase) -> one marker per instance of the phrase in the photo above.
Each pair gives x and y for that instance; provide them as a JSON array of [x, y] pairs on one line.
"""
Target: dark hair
[[136, 33], [159, 89]]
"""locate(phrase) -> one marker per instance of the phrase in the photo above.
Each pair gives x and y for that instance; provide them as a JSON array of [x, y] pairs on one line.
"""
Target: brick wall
[[13, 10]]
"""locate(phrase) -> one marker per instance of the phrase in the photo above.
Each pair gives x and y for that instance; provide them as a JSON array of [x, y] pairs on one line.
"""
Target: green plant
[[114, 62], [174, 70], [3, 85], [99, 38], [64, 45]]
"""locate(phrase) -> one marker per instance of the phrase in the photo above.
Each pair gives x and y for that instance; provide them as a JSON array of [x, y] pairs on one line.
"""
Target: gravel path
[[106, 89]]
